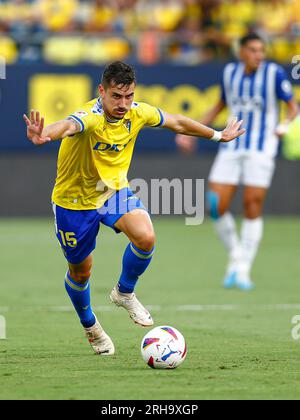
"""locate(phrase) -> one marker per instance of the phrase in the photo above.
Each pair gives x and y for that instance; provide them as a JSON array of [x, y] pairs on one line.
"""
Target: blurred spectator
[[8, 50], [167, 14], [101, 16], [274, 16], [57, 15], [162, 15], [188, 45], [148, 47], [19, 13], [235, 17], [295, 17]]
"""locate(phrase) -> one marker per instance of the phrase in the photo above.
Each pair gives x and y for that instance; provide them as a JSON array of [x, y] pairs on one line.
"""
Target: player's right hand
[[35, 127], [186, 144]]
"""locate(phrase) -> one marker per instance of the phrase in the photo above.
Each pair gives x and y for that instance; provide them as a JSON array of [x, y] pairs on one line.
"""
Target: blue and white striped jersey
[[255, 99]]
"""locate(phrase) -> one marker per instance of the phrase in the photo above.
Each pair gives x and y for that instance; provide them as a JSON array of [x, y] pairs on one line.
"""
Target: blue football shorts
[[77, 230]]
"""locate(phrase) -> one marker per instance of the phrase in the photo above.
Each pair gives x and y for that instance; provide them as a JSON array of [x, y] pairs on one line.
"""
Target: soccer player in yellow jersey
[[92, 188]]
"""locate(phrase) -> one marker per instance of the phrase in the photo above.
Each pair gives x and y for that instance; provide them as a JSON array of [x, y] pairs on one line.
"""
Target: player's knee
[[81, 275], [214, 205], [146, 241], [253, 206]]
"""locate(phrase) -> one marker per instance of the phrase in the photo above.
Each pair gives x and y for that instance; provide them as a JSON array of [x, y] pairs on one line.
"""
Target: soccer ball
[[163, 348]]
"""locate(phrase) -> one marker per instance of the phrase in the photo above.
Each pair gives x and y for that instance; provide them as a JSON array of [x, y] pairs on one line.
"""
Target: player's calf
[[137, 258], [79, 294], [135, 263]]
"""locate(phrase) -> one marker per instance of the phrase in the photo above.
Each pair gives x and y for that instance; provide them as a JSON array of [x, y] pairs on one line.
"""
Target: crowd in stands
[[185, 32]]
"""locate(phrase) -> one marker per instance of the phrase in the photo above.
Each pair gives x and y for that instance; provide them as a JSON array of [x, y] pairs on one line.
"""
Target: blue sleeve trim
[[162, 120], [79, 121]]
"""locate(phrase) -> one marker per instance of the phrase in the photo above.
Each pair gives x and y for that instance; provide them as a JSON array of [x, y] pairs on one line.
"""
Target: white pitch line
[[192, 308], [200, 308], [104, 308], [285, 306], [179, 308]]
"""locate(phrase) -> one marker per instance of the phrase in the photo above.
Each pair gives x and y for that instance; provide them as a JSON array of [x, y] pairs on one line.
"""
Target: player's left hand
[[232, 130], [282, 129]]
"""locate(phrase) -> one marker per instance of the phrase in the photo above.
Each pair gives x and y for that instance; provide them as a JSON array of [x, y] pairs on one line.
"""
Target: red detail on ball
[[184, 353], [151, 362]]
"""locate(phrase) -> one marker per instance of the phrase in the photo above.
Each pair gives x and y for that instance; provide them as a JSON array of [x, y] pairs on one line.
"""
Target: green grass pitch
[[239, 344]]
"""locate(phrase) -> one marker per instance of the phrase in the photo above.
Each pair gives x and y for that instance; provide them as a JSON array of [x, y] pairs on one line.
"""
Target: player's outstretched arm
[[187, 144], [38, 134], [184, 125]]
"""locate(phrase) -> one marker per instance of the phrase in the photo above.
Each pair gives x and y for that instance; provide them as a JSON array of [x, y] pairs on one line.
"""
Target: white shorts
[[243, 168]]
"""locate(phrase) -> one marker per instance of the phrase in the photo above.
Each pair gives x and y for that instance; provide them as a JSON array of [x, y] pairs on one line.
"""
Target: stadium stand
[[186, 32]]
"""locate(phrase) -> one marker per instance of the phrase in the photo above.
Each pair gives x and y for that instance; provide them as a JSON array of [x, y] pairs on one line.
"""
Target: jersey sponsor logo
[[81, 114], [100, 146], [246, 104]]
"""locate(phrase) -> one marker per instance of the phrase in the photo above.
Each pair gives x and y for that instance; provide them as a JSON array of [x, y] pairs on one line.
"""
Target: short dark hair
[[118, 73], [250, 37]]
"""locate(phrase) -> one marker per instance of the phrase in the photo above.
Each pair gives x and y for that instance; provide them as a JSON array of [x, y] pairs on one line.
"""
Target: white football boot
[[137, 312], [99, 340], [243, 279], [244, 282]]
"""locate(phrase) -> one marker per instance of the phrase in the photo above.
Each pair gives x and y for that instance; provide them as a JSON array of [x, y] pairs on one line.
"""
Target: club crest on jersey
[[127, 124]]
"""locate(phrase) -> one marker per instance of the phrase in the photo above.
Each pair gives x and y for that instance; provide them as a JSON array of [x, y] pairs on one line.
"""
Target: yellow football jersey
[[94, 163]]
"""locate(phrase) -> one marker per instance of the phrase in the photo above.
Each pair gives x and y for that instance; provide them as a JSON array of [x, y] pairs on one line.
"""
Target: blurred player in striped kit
[[252, 89]]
